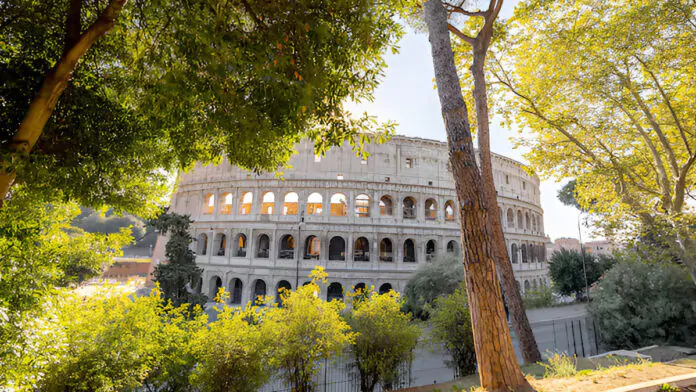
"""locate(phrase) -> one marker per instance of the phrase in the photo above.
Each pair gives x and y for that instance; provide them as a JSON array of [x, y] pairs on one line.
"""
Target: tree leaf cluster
[[568, 273]]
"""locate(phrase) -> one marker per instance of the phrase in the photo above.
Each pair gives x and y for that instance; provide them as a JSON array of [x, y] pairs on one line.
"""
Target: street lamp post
[[582, 254], [297, 247]]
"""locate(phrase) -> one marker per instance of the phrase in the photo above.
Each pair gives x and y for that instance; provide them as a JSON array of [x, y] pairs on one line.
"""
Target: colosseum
[[368, 222]]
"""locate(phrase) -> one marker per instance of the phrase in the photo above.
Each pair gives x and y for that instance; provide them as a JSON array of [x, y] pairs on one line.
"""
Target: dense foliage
[[385, 338], [638, 304], [567, 271], [440, 277], [150, 96], [451, 326], [178, 276]]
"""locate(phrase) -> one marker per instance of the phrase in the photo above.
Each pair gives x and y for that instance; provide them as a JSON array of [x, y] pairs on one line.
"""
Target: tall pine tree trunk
[[495, 354], [528, 344]]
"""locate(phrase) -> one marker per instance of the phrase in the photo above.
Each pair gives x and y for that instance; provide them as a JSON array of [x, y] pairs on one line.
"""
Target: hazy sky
[[406, 96]]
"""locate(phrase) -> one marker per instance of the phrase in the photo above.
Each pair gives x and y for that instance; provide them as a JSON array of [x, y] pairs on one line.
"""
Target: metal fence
[[574, 336]]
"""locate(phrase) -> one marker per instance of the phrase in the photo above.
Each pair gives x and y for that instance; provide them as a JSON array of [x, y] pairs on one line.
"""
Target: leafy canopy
[[176, 83], [568, 273]]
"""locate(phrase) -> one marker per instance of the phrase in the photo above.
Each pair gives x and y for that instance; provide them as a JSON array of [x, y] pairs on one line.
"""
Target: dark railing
[[310, 256], [286, 254], [241, 253], [385, 256], [360, 255], [221, 252], [409, 213], [262, 253], [409, 259], [429, 256]]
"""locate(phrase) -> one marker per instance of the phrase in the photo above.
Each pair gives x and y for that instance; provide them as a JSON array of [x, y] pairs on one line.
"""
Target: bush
[[233, 352], [432, 280], [568, 274], [385, 338], [638, 304], [539, 298], [451, 325], [560, 365]]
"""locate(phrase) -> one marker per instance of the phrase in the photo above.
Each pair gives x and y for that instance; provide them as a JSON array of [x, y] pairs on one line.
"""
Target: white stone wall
[[401, 168]]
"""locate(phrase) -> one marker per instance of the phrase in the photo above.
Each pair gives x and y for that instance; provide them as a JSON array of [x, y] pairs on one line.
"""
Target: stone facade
[[371, 221]]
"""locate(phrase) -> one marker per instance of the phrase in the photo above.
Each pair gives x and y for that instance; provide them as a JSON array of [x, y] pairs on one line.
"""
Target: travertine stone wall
[[403, 169]]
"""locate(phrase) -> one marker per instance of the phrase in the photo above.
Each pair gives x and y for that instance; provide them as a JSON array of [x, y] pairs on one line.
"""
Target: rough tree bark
[[54, 84], [480, 45], [497, 362]]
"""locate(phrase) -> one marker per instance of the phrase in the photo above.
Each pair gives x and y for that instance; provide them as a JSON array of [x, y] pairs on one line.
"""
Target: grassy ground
[[592, 375]]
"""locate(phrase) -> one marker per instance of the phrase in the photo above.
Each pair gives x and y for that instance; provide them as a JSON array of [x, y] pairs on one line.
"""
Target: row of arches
[[527, 220], [532, 284], [311, 249], [338, 205], [527, 253], [259, 289]]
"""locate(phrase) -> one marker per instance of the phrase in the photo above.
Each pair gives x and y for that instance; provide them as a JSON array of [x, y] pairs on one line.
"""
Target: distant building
[[125, 268], [601, 247], [566, 243]]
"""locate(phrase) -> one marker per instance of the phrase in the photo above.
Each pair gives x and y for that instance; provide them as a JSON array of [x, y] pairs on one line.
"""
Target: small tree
[[637, 304], [385, 338], [568, 273], [233, 352], [451, 326], [432, 280], [305, 330], [177, 277]]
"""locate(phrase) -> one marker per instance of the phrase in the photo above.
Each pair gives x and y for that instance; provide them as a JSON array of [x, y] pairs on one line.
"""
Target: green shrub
[[385, 338], [638, 304], [451, 325], [568, 273], [539, 298], [432, 280]]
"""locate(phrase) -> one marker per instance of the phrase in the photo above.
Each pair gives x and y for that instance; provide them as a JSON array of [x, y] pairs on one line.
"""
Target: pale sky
[[407, 97]]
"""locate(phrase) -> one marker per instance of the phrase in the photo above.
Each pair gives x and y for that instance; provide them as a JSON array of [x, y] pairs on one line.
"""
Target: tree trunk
[[497, 363], [528, 344], [53, 85]]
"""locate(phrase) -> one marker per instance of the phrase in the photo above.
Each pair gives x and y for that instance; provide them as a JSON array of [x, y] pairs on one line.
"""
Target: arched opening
[[385, 288], [453, 247], [362, 206], [334, 292], [534, 284], [360, 288], [337, 248], [524, 253], [510, 218], [539, 225], [430, 209], [361, 249], [263, 247], [215, 284], [386, 206], [290, 203], [449, 211], [385, 250], [236, 291], [202, 248], [519, 220], [339, 205], [409, 208], [241, 243], [534, 224], [409, 251], [267, 203], [198, 285], [533, 250], [526, 286], [287, 247], [208, 204], [219, 244], [259, 292], [245, 206], [312, 249], [513, 253], [315, 204], [226, 205], [281, 290], [430, 251], [526, 221]]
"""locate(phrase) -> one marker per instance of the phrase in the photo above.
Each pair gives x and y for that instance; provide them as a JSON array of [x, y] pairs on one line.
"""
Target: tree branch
[[460, 10], [73, 26], [462, 36]]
